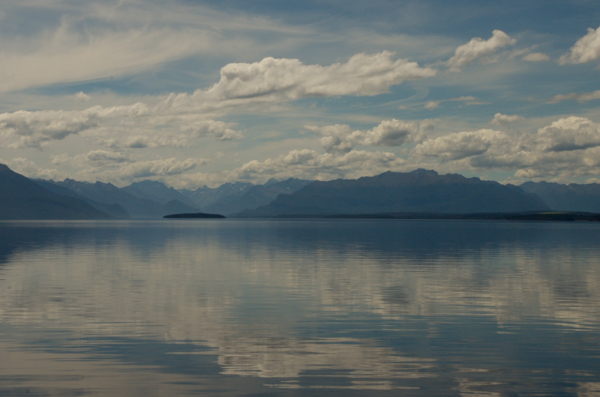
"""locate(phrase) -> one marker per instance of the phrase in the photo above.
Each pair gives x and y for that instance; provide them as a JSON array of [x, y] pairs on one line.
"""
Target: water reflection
[[300, 307]]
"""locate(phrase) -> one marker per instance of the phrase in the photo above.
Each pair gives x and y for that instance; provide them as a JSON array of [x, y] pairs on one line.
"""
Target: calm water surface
[[287, 308]]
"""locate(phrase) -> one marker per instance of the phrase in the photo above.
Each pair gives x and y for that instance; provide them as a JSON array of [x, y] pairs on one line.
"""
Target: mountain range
[[392, 192], [140, 200], [21, 198], [101, 194], [420, 191], [205, 196], [254, 196], [571, 197]]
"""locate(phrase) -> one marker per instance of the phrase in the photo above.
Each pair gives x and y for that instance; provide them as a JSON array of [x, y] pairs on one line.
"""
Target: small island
[[197, 215]]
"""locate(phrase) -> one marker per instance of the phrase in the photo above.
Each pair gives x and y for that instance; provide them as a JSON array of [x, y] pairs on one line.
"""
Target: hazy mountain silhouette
[[204, 195], [21, 198], [390, 192], [109, 194], [114, 210], [255, 197], [157, 191], [420, 191], [572, 197]]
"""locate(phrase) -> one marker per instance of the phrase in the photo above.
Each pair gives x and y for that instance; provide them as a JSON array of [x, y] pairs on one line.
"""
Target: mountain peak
[[417, 191], [21, 198], [149, 183], [423, 171]]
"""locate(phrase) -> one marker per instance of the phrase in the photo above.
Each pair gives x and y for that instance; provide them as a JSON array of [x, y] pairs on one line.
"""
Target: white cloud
[[149, 140], [579, 97], [172, 166], [137, 170], [586, 49], [133, 126], [363, 74], [36, 129], [97, 158], [567, 147], [82, 97], [572, 133], [120, 167], [309, 164], [503, 119], [199, 127], [340, 138], [478, 48], [536, 57], [182, 117], [461, 145], [276, 80]]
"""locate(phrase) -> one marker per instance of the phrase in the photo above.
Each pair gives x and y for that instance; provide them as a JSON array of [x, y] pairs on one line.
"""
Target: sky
[[195, 93]]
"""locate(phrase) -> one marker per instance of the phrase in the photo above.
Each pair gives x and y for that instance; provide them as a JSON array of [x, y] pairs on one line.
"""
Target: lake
[[299, 308]]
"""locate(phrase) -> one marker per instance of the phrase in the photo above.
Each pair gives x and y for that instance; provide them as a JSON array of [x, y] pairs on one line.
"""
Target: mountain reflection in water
[[332, 307]]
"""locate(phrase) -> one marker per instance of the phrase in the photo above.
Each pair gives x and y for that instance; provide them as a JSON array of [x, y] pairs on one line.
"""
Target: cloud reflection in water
[[426, 307]]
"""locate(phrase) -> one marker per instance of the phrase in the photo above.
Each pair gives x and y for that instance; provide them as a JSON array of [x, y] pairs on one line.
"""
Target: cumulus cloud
[[340, 138], [149, 140], [586, 49], [536, 57], [503, 119], [568, 146], [82, 97], [120, 166], [363, 74], [199, 127], [131, 170], [132, 126], [579, 97], [38, 128], [180, 117], [172, 166], [276, 80], [35, 129], [462, 144], [478, 48], [309, 164], [97, 158], [572, 133]]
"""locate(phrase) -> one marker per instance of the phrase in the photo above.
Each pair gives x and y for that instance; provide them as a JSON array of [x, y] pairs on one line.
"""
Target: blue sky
[[199, 92]]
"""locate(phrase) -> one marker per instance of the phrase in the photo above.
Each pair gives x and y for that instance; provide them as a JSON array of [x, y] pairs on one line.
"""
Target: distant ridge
[[205, 196], [111, 197], [255, 196], [21, 198], [114, 210], [157, 191], [571, 197], [420, 194], [394, 192]]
